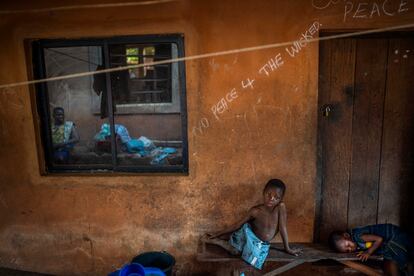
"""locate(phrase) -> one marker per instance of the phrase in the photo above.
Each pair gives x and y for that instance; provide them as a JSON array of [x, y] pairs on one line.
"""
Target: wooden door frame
[[407, 33]]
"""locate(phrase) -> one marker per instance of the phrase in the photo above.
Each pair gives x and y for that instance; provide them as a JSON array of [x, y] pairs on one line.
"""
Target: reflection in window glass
[[147, 139], [73, 125], [145, 84], [129, 120]]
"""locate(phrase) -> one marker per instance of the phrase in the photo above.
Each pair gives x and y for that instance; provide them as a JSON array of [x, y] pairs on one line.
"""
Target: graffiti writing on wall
[[272, 64], [364, 10]]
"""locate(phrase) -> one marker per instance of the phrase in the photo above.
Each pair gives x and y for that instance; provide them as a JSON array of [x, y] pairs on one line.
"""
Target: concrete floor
[[323, 268]]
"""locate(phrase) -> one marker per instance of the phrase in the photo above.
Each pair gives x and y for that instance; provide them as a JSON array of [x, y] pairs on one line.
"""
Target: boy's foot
[[222, 243]]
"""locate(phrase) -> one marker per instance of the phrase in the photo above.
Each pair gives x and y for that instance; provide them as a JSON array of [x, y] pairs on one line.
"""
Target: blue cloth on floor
[[120, 130], [253, 250], [162, 154], [123, 133], [143, 146], [396, 245]]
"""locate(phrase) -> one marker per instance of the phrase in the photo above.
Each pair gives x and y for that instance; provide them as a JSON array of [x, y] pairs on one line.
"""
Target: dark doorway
[[366, 131]]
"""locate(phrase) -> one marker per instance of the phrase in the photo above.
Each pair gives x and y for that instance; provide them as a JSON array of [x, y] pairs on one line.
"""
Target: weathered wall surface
[[90, 224]]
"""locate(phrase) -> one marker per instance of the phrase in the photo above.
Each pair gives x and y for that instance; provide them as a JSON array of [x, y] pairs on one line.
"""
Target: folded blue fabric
[[120, 130], [253, 250], [142, 145]]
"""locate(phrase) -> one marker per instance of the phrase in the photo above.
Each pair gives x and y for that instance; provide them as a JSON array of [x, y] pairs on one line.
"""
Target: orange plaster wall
[[88, 225]]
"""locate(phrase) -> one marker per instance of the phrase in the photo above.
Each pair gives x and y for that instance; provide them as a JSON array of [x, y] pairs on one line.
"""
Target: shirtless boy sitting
[[257, 228]]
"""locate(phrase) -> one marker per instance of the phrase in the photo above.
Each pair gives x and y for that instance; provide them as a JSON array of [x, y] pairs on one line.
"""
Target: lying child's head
[[273, 192], [341, 241]]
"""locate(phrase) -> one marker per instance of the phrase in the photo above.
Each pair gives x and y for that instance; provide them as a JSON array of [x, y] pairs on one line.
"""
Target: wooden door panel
[[397, 162], [370, 80], [366, 149], [337, 64]]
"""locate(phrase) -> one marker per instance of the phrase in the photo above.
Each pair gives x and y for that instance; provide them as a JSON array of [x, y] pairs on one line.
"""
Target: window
[[131, 120], [145, 89]]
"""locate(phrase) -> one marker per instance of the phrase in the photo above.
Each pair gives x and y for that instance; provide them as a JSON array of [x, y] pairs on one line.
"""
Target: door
[[365, 132]]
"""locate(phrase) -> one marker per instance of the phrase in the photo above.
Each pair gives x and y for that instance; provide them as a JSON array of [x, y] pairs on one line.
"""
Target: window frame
[[42, 101]]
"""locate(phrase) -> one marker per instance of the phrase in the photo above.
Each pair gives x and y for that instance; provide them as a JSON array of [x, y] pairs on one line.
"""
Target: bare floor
[[323, 268]]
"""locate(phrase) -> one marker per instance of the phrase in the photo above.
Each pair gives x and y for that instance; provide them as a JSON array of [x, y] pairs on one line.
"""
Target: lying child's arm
[[283, 230], [235, 226], [377, 241]]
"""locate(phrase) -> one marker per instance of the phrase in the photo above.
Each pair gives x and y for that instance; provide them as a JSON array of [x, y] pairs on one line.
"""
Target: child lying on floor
[[383, 239], [257, 228]]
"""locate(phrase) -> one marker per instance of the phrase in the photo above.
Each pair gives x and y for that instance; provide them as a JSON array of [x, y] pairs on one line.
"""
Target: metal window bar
[[153, 86], [110, 105]]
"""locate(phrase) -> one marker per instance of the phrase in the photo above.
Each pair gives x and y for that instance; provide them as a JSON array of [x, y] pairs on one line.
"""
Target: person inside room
[[64, 136]]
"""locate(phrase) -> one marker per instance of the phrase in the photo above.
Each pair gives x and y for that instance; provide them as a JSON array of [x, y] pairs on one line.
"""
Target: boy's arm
[[283, 230], [235, 226], [377, 241]]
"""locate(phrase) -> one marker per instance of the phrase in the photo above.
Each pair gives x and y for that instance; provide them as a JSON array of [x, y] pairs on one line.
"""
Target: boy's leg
[[222, 243], [391, 268]]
